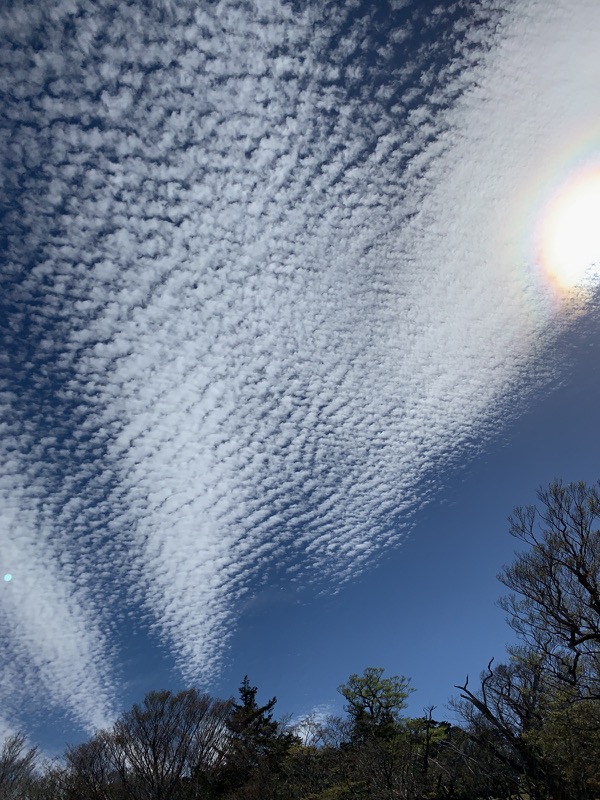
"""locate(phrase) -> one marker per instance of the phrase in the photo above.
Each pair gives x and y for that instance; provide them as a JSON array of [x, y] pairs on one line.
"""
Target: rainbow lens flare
[[568, 232]]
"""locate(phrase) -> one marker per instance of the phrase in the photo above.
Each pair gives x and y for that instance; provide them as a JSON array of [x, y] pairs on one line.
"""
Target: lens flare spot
[[8, 577], [568, 236]]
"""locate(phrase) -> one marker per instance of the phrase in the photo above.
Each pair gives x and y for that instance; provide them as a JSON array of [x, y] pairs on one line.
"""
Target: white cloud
[[264, 290], [6, 730], [54, 653]]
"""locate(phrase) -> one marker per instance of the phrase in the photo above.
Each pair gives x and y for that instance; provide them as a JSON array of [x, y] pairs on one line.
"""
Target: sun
[[568, 237]]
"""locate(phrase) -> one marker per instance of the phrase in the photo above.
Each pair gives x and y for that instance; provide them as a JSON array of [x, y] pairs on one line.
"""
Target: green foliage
[[374, 703], [349, 790]]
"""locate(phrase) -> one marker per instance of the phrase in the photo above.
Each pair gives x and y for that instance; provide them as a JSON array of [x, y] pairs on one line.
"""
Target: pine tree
[[253, 729], [257, 748]]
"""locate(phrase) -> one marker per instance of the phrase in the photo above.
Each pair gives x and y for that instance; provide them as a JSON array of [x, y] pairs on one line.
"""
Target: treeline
[[530, 727]]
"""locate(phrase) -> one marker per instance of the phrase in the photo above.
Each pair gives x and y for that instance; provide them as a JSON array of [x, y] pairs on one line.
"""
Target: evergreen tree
[[253, 728], [257, 748]]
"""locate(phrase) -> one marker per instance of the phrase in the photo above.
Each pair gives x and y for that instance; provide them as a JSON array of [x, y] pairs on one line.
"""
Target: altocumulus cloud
[[263, 281]]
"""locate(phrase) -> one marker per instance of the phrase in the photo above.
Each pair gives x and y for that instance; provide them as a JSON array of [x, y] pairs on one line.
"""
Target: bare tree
[[505, 706], [554, 603], [90, 768], [163, 746], [17, 767]]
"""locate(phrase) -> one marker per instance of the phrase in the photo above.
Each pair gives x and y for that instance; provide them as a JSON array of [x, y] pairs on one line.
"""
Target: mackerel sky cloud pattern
[[263, 282]]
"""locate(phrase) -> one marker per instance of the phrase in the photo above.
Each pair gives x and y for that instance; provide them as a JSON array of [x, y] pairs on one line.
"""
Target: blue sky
[[288, 329]]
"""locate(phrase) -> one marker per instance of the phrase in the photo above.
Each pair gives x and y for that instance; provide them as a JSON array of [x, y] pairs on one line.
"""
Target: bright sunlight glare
[[569, 231]]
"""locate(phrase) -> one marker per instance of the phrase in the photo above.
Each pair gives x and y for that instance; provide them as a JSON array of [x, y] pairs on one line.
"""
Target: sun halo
[[568, 236]]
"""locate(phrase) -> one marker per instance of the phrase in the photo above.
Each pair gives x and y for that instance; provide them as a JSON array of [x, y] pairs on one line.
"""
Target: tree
[[542, 738], [502, 714], [252, 726], [257, 746], [568, 741], [91, 769], [554, 603], [53, 783], [539, 714], [374, 703], [162, 749], [17, 767], [381, 751]]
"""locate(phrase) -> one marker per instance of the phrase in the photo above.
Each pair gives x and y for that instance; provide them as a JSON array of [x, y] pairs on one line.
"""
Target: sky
[[299, 300]]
